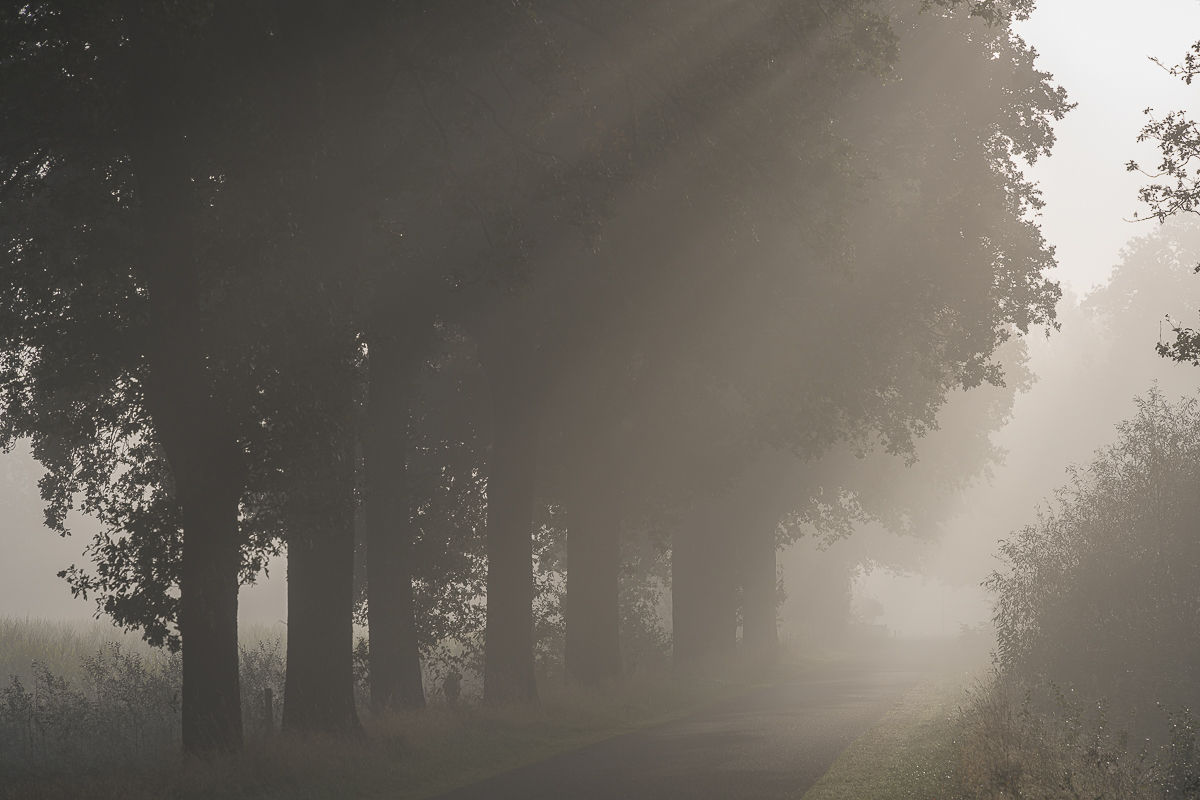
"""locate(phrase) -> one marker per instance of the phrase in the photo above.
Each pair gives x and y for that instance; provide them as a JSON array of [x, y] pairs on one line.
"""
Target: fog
[[434, 379], [1101, 53]]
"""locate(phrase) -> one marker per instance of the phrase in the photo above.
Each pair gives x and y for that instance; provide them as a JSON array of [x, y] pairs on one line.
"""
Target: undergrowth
[[112, 730], [1042, 743]]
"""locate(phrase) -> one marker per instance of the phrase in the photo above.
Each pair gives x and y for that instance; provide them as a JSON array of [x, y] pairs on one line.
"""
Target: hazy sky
[[1097, 49], [1100, 50]]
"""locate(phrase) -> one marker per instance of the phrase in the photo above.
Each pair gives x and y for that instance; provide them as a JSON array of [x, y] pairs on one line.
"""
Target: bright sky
[[1100, 50]]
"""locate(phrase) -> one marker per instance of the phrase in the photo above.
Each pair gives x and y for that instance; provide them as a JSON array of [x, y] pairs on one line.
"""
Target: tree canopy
[[462, 280]]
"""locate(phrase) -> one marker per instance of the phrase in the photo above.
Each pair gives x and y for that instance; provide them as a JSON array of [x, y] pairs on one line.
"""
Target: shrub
[[1044, 743], [1104, 590], [126, 712]]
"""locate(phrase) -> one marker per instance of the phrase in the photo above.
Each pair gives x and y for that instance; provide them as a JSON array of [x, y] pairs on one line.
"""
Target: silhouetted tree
[[107, 128]]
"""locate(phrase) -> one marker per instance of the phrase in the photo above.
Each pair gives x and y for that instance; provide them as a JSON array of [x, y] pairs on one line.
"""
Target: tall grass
[[57, 645], [84, 696], [406, 755], [1018, 741]]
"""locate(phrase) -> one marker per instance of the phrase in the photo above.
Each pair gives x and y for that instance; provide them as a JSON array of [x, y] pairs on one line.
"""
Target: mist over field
[[644, 399]]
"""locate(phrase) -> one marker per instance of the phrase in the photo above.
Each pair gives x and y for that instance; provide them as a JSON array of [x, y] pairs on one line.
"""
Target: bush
[[1103, 591], [126, 712]]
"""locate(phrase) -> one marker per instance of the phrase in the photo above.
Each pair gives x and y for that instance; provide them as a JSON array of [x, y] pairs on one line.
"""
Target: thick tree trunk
[[395, 657], [197, 437], [518, 400], [319, 688], [330, 174], [760, 636], [208, 620], [703, 610], [593, 616]]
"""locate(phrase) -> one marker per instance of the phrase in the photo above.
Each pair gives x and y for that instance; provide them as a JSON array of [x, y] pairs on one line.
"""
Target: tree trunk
[[395, 657], [703, 611], [593, 616], [517, 403], [208, 620], [195, 432], [319, 688], [760, 635]]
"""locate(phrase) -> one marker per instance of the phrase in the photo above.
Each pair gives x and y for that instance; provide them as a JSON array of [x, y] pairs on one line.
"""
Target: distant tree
[[844, 379], [528, 306]]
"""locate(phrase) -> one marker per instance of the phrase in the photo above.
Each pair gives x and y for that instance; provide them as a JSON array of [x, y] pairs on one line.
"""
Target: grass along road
[[908, 755], [406, 757]]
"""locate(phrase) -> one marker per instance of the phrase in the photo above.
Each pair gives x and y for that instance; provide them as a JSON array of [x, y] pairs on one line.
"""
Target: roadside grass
[[406, 756], [910, 754], [420, 755]]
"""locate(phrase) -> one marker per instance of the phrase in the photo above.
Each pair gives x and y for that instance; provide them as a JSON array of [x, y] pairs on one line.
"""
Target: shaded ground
[[773, 742]]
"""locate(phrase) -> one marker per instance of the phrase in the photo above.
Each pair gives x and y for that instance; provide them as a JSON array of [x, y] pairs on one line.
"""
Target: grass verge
[[409, 756], [910, 753]]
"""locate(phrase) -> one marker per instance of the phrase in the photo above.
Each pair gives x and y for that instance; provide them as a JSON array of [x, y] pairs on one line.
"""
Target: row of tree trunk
[[718, 549]]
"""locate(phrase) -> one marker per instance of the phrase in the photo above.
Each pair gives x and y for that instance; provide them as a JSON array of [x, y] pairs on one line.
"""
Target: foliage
[[1103, 590], [1011, 745], [1178, 139]]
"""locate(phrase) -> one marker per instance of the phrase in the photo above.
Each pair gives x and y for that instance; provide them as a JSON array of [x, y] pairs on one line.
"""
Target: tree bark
[[319, 688], [208, 616], [395, 360], [196, 434], [329, 173], [518, 399], [593, 616], [703, 611], [760, 635]]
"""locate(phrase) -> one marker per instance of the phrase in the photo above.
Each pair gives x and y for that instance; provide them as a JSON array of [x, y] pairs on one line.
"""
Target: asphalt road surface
[[773, 742]]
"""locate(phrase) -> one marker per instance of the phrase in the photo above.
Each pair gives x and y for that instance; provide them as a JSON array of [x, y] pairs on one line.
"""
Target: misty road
[[772, 742]]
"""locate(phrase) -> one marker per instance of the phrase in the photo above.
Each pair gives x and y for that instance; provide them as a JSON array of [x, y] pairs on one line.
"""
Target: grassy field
[[60, 645], [908, 755]]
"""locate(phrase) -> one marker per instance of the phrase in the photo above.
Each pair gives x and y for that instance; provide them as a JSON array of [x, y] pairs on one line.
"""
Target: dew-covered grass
[[910, 754]]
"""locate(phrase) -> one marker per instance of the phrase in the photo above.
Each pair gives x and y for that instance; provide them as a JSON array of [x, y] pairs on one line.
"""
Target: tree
[[399, 349], [103, 155], [161, 127], [668, 128]]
